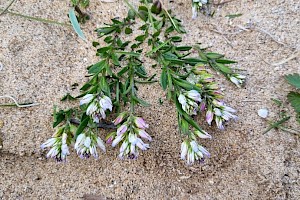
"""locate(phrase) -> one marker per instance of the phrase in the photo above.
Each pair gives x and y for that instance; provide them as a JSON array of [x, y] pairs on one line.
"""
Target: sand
[[42, 61]]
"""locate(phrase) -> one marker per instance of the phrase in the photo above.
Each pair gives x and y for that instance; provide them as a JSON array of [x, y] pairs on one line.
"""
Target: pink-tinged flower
[[184, 150], [142, 145], [109, 140], [117, 140], [122, 129], [229, 109], [144, 134], [86, 99], [204, 151], [209, 116], [219, 122], [202, 134], [140, 123], [202, 106], [120, 118], [194, 95]]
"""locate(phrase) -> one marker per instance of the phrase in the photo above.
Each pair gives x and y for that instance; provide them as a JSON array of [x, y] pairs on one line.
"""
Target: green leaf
[[294, 80], [97, 68], [58, 117], [83, 123], [223, 61], [105, 30], [193, 61], [95, 44], [140, 101], [294, 99], [115, 59], [176, 39], [214, 55], [123, 70], [75, 24], [68, 97], [223, 68], [128, 53], [104, 85], [128, 30], [131, 14], [140, 38], [183, 48], [164, 79]]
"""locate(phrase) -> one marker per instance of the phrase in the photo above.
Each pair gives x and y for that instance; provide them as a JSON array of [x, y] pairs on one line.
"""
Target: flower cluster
[[86, 144], [129, 132], [191, 151], [59, 147], [196, 5], [220, 113], [211, 96], [97, 105], [189, 101]]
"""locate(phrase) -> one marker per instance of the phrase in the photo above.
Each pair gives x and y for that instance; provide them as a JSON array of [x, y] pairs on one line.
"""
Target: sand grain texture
[[42, 61]]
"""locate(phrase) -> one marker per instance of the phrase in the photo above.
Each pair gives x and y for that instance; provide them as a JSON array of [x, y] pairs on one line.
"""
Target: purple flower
[[140, 123], [209, 116], [122, 129], [144, 134], [120, 118]]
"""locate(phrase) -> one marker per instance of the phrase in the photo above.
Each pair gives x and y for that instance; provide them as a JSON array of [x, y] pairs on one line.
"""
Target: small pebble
[[263, 113]]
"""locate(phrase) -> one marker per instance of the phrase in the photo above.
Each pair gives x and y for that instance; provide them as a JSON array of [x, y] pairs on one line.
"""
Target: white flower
[[192, 151], [106, 103], [203, 134], [188, 104], [237, 79], [91, 109], [97, 106], [184, 150], [86, 99], [59, 148], [86, 145], [194, 95], [117, 140], [50, 142], [182, 100]]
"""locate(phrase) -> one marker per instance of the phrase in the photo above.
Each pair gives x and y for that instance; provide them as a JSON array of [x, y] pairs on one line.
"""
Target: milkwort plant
[[186, 77]]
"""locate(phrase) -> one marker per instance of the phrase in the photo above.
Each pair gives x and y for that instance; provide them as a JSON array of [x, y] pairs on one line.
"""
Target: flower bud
[[156, 7]]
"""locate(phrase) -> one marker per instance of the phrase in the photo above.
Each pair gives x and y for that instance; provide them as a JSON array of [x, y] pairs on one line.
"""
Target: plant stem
[[36, 18], [132, 87], [7, 7]]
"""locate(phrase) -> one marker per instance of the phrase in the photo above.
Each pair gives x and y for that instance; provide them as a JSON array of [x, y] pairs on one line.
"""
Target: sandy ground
[[42, 61]]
